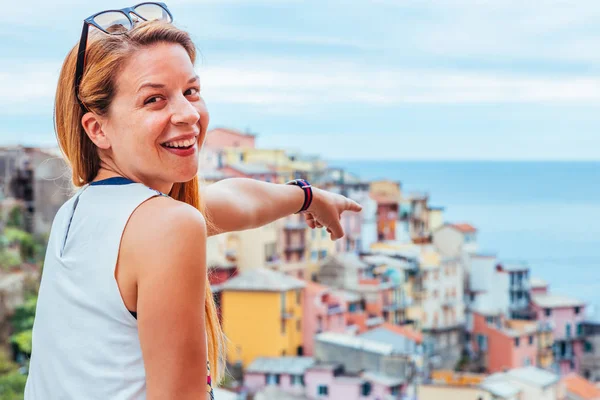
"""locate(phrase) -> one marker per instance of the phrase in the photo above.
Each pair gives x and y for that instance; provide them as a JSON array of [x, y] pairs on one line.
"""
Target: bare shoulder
[[161, 228]]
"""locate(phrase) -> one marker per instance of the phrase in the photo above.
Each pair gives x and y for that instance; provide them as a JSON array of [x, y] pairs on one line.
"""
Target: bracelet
[[308, 195]]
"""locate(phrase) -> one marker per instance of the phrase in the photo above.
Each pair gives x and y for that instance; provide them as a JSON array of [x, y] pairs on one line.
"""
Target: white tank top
[[85, 340]]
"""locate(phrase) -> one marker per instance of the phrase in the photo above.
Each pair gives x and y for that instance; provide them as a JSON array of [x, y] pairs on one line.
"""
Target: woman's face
[[157, 120]]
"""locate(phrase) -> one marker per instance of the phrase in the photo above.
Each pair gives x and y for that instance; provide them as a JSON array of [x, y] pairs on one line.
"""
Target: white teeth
[[181, 143]]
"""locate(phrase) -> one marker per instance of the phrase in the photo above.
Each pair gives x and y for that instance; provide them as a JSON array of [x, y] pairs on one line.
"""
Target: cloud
[[29, 87]]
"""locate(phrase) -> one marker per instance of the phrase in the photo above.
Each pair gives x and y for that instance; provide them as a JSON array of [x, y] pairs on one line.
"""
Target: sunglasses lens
[[150, 12], [114, 22]]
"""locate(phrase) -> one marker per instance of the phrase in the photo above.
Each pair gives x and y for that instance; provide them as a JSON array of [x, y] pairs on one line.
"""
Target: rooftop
[[515, 266], [281, 365], [381, 379], [404, 331], [382, 259], [464, 227], [251, 169], [581, 387], [355, 342], [262, 280], [347, 260], [501, 389], [535, 282], [555, 301], [530, 375], [400, 343]]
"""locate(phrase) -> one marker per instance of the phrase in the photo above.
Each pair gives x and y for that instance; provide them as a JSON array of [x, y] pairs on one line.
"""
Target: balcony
[[295, 247], [334, 309], [518, 286]]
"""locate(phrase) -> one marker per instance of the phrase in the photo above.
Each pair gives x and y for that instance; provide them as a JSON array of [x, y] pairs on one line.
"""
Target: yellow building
[[262, 315], [545, 341], [252, 248], [436, 217]]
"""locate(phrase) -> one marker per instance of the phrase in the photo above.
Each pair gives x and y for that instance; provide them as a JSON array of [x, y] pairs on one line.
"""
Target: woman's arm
[[237, 204], [169, 243]]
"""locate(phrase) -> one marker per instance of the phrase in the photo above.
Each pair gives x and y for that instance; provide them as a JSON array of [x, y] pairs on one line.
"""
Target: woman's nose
[[184, 112]]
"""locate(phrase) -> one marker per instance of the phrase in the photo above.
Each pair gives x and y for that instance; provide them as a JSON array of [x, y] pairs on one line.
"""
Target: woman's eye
[[152, 99], [192, 91]]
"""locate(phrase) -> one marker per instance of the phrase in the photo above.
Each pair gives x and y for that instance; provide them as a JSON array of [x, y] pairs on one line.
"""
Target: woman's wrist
[[307, 190]]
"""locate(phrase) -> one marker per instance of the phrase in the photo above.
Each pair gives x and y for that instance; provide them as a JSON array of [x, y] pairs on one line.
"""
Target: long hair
[[105, 56]]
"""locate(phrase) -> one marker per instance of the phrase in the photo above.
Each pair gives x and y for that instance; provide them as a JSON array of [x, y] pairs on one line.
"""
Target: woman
[[119, 311]]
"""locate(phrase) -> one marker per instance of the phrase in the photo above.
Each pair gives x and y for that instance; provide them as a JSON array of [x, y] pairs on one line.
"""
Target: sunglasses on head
[[116, 22]]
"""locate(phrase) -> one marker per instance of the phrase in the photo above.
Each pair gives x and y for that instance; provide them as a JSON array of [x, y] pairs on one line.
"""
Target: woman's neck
[[106, 173]]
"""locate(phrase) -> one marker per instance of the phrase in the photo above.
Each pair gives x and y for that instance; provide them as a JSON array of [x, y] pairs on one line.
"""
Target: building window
[[395, 390], [314, 255], [489, 320], [273, 379], [588, 347], [323, 232], [298, 380], [298, 296], [548, 312], [366, 389], [482, 342], [531, 339], [577, 309], [282, 326], [517, 342], [322, 390], [322, 254], [298, 326], [282, 300], [568, 330]]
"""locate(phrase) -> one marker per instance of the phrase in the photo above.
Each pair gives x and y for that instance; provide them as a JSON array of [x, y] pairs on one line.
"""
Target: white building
[[534, 383]]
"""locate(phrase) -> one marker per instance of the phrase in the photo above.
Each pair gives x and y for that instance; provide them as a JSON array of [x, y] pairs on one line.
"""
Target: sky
[[353, 79]]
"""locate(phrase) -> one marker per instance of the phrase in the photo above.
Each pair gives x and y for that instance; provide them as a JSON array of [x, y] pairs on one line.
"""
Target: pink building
[[538, 286], [564, 315], [503, 344], [302, 376], [323, 311], [328, 381], [221, 138], [254, 171]]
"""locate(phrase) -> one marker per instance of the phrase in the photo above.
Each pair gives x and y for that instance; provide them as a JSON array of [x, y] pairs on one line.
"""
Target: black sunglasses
[[116, 22]]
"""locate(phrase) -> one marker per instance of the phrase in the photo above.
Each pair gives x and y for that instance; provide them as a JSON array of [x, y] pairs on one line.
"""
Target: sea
[[544, 213]]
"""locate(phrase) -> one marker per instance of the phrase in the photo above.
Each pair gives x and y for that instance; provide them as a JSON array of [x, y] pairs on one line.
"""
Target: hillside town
[[404, 306]]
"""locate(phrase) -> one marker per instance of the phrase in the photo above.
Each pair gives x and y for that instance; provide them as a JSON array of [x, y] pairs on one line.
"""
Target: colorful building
[[262, 315], [455, 240], [294, 239], [503, 344], [565, 315], [387, 195], [324, 311]]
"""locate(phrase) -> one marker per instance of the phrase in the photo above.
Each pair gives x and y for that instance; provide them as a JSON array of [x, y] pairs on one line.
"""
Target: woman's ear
[[92, 124]]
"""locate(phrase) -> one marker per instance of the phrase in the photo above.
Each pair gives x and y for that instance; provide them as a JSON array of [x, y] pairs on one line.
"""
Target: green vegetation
[[12, 382]]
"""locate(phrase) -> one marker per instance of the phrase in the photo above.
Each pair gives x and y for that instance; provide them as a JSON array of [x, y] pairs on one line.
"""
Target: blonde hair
[[105, 57]]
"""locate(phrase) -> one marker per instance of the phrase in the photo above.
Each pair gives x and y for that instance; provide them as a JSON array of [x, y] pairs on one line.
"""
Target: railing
[[334, 309]]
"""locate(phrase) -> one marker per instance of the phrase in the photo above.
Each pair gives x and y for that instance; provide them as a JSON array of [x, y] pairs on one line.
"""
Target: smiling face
[[157, 120]]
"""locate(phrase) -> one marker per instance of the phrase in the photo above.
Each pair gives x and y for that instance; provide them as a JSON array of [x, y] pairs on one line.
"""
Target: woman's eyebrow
[[160, 85]]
